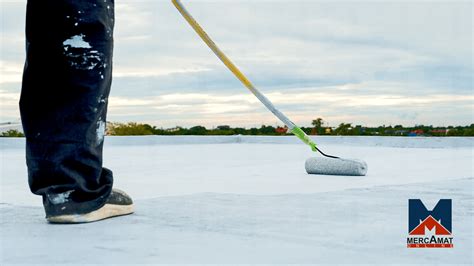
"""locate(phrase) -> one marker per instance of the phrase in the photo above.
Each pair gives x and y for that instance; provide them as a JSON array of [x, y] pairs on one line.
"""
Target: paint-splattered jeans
[[66, 83]]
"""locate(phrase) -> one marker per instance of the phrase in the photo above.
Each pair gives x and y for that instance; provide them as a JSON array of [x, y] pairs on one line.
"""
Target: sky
[[363, 62]]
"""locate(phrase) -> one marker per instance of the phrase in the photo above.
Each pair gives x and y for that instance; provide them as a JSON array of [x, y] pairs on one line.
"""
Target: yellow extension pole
[[236, 71], [200, 31]]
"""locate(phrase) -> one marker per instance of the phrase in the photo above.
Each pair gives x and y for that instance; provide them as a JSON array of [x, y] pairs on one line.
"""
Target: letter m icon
[[417, 212]]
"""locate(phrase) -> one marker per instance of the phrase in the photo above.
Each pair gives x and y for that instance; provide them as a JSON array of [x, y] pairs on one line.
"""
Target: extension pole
[[233, 68]]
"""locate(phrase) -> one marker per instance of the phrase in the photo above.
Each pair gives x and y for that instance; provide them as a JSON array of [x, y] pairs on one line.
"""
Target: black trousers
[[63, 104]]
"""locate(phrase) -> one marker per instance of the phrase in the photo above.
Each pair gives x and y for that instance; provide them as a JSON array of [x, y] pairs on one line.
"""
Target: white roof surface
[[249, 200]]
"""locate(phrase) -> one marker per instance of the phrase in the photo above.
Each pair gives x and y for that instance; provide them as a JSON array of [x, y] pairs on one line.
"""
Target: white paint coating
[[252, 202], [83, 58]]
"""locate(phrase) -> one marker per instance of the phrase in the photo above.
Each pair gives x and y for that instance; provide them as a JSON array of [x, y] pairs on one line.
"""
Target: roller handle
[[298, 132]]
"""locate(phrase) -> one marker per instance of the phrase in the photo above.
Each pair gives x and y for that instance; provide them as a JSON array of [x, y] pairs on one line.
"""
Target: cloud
[[10, 72], [156, 72], [368, 62], [333, 103]]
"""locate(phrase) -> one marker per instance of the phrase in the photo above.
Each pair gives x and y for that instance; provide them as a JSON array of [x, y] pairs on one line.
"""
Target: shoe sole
[[107, 211]]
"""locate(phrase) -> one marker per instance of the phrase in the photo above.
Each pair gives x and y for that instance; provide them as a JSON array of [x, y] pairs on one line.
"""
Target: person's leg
[[66, 83]]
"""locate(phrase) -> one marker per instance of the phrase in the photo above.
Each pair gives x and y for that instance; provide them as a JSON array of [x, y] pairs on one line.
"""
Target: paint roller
[[322, 165]]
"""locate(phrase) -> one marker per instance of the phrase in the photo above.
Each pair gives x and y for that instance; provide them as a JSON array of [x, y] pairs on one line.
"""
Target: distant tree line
[[120, 129], [12, 133], [319, 127]]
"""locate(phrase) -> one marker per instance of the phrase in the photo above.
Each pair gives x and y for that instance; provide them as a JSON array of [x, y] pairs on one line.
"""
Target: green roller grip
[[302, 136]]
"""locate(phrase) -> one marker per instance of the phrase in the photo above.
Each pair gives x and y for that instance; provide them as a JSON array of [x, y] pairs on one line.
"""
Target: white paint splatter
[[80, 55], [87, 60], [77, 41], [75, 24], [60, 198], [100, 131]]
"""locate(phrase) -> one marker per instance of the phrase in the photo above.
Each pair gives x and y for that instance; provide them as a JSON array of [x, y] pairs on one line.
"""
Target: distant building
[[328, 130], [174, 129], [361, 129], [281, 130], [416, 132], [401, 132]]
